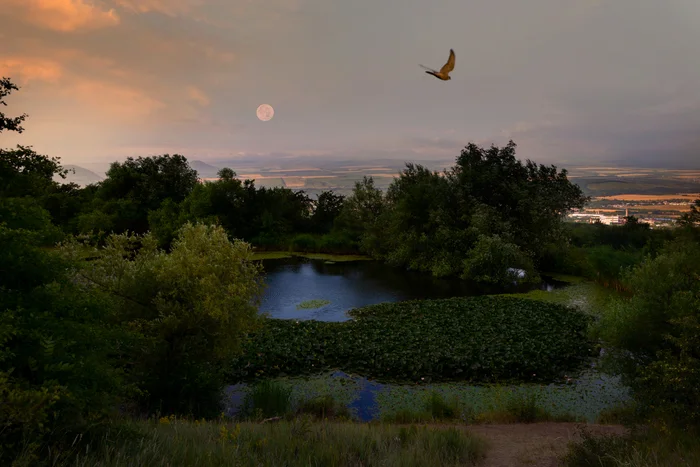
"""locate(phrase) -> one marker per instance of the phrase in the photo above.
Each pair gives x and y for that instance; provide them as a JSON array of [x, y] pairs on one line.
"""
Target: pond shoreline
[[265, 255], [586, 395], [350, 282]]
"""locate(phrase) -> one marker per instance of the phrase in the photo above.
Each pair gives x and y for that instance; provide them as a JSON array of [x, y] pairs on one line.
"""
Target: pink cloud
[[26, 69], [63, 15], [198, 96], [166, 7]]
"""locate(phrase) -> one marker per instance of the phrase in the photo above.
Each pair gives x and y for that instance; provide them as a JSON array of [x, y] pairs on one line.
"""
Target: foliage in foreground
[[191, 306], [296, 443], [58, 376], [58, 371], [481, 339], [649, 449], [655, 334]]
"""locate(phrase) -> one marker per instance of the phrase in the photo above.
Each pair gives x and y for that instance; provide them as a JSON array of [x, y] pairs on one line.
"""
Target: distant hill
[[203, 169], [610, 186], [82, 176]]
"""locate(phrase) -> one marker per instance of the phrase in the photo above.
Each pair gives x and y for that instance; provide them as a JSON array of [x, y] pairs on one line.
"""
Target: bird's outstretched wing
[[430, 69], [450, 65]]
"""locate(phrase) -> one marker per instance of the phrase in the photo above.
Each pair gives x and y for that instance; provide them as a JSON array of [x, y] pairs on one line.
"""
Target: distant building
[[593, 218]]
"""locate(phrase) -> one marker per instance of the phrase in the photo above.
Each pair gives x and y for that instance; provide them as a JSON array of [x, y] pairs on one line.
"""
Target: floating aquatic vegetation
[[478, 339], [310, 304]]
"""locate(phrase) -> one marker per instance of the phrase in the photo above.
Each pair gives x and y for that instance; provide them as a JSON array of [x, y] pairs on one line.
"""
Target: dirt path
[[534, 445]]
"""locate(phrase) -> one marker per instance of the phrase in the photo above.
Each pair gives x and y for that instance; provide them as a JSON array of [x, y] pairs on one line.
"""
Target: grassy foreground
[[300, 442], [652, 447], [581, 293]]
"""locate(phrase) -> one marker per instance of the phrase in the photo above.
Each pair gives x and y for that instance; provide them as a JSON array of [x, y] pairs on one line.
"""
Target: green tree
[[530, 200], [59, 373], [223, 201], [23, 172], [59, 365], [361, 216], [420, 223], [26, 214], [692, 217], [263, 216], [193, 306], [327, 208], [26, 174], [135, 187], [652, 334], [279, 213], [495, 261], [165, 221], [431, 222], [9, 123]]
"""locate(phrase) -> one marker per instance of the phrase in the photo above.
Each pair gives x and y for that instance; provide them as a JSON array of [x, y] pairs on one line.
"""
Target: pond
[[342, 286], [353, 284]]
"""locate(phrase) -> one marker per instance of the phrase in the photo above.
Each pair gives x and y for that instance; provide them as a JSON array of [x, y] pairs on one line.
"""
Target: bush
[[671, 383], [304, 243], [266, 399], [600, 450], [491, 258], [59, 374], [649, 448], [26, 214], [607, 265], [192, 307], [655, 334], [338, 243], [324, 406]]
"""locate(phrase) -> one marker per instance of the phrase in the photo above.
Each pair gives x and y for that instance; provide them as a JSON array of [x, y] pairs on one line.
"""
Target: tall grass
[[651, 448], [295, 443], [267, 399], [435, 408], [272, 398], [323, 407], [509, 407]]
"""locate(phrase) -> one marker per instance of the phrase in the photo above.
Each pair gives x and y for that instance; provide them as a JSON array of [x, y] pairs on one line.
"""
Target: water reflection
[[347, 285]]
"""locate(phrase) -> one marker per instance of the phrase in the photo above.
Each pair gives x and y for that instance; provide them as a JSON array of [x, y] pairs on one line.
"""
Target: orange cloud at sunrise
[[198, 96], [574, 79], [25, 69], [112, 98], [121, 102], [166, 7], [64, 15]]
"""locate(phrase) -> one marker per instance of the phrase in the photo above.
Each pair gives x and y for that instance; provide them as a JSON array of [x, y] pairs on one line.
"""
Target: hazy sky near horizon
[[570, 81]]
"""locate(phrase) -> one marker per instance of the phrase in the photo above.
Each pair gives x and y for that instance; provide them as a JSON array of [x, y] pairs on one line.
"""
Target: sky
[[573, 82]]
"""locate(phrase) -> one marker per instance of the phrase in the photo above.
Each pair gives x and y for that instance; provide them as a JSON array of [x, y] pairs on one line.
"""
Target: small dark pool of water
[[353, 284]]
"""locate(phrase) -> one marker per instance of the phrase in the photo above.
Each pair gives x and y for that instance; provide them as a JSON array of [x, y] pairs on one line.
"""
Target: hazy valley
[[651, 194]]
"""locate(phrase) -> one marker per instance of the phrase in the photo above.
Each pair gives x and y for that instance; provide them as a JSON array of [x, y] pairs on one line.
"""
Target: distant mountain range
[[79, 175], [205, 170], [314, 174], [83, 176]]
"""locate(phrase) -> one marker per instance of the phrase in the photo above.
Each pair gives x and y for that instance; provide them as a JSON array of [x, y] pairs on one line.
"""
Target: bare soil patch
[[535, 444]]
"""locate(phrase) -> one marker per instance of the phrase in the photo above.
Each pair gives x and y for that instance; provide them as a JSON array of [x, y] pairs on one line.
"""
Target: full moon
[[265, 112]]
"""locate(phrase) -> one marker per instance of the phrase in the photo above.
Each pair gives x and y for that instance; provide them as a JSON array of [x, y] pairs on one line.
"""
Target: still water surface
[[347, 285], [353, 284]]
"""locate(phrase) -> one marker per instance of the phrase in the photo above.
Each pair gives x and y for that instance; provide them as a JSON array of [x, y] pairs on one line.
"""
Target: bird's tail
[[423, 66]]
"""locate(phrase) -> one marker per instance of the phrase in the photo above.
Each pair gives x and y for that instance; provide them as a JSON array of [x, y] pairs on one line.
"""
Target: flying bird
[[444, 73]]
